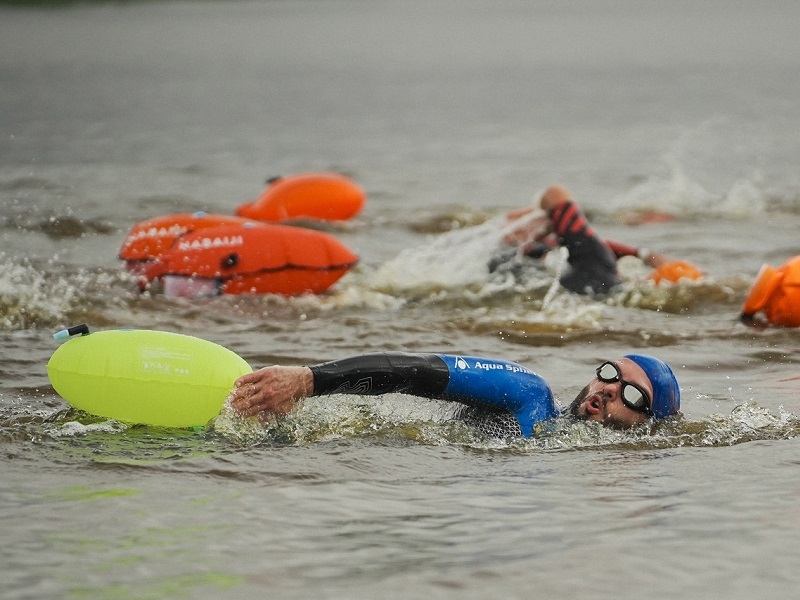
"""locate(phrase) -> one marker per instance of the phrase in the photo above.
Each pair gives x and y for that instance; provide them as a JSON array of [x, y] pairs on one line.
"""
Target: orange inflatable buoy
[[776, 294], [674, 271], [323, 196], [235, 259], [147, 240]]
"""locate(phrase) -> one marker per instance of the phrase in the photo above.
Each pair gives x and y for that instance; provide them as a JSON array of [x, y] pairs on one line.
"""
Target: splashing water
[[455, 259], [406, 418], [29, 295]]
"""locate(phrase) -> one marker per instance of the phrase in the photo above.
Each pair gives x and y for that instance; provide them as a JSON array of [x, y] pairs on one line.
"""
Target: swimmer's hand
[[525, 225], [272, 390], [536, 249]]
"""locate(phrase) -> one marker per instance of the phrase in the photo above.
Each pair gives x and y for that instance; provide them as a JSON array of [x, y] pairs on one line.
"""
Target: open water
[[448, 114]]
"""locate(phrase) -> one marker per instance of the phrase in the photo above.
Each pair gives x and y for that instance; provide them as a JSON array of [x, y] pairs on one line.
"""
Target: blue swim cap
[[666, 392]]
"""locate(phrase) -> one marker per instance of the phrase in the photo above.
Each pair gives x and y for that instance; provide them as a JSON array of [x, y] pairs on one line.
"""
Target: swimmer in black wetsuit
[[592, 261], [503, 398]]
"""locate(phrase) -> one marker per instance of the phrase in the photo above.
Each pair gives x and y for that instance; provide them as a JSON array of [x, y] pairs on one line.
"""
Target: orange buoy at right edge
[[322, 196], [776, 295]]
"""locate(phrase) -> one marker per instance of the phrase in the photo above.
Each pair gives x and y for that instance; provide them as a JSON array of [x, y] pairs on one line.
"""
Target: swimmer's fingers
[[250, 377], [271, 390], [246, 397], [250, 400], [265, 404], [244, 388]]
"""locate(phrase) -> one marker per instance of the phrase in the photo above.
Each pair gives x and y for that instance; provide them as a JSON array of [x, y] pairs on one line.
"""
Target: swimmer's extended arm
[[274, 390], [503, 385], [469, 380]]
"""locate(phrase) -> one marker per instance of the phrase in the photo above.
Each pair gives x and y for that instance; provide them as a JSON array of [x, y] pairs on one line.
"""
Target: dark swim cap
[[666, 392]]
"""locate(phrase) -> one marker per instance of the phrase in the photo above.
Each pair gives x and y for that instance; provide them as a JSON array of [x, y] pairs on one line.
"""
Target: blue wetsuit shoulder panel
[[501, 384]]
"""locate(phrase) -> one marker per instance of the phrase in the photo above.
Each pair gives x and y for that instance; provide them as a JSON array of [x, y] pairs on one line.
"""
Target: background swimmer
[[592, 261]]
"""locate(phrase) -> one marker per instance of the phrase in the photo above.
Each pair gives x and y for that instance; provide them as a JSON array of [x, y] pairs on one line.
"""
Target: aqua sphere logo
[[461, 363]]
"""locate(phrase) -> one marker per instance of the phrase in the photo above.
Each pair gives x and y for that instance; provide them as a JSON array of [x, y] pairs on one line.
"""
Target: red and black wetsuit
[[593, 268], [593, 262]]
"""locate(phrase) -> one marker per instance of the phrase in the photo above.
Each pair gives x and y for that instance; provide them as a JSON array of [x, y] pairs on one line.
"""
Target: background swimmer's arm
[[621, 250], [652, 259], [521, 212], [527, 225], [648, 257]]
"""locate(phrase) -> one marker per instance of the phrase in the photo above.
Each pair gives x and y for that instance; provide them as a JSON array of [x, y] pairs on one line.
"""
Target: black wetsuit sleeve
[[380, 373]]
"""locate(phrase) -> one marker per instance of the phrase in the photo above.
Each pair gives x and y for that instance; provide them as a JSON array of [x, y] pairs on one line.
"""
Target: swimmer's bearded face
[[615, 419]]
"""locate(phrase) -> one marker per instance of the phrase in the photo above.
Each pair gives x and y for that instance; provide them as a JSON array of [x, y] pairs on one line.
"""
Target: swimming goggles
[[633, 396]]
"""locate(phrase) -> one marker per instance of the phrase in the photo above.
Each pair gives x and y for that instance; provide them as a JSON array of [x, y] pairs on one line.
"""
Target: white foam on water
[[76, 429]]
